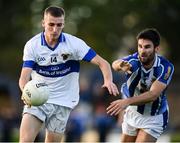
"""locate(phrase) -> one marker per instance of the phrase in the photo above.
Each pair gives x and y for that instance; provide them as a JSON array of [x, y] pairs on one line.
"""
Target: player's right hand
[[125, 66], [111, 87], [117, 106], [26, 101]]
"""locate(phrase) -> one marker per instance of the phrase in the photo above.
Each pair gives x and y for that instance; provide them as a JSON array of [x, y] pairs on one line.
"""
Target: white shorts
[[55, 117], [153, 125]]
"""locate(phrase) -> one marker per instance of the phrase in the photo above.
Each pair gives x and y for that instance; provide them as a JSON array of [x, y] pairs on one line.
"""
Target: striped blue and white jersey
[[141, 80], [59, 66]]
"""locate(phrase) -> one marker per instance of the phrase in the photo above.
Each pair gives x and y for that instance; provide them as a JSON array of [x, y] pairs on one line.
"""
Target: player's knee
[[53, 137], [26, 138]]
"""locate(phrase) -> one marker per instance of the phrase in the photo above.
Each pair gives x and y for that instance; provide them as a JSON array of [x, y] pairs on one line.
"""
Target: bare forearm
[[25, 77], [107, 74], [149, 96], [146, 97], [22, 82], [104, 67], [106, 70]]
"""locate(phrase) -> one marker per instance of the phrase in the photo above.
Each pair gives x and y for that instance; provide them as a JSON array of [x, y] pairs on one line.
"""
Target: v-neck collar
[[60, 39]]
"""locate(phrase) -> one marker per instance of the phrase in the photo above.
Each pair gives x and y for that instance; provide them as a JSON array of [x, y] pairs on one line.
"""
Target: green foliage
[[15, 28]]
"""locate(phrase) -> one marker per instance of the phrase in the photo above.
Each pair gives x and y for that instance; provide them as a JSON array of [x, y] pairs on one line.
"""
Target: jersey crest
[[65, 56]]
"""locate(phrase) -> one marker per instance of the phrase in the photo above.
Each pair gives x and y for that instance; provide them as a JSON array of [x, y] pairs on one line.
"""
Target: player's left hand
[[112, 88], [116, 107]]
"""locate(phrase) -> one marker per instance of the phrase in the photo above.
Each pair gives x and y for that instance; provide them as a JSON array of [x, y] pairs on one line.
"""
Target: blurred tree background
[[109, 26]]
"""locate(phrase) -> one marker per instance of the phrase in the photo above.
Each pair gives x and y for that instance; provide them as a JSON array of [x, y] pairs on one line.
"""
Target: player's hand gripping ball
[[35, 93]]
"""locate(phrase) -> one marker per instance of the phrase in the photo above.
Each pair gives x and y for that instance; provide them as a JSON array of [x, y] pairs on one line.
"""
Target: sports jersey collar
[[60, 39]]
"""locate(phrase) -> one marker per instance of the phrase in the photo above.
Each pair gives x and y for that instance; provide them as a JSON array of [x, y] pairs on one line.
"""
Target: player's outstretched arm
[[107, 74], [155, 91], [120, 65]]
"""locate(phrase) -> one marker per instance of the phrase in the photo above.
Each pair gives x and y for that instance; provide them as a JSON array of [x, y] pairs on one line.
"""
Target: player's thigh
[[129, 132], [58, 120], [127, 138], [29, 128], [53, 137], [144, 137]]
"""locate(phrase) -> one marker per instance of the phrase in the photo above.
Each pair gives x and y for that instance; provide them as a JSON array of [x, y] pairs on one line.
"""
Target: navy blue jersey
[[141, 80]]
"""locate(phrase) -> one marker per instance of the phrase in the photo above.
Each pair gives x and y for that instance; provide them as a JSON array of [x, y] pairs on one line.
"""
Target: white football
[[36, 92]]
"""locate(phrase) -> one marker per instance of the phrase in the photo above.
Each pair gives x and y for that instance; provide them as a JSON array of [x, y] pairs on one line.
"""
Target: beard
[[147, 60]]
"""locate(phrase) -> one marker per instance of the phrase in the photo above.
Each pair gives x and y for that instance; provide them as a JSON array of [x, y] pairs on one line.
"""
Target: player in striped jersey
[[144, 93], [53, 57]]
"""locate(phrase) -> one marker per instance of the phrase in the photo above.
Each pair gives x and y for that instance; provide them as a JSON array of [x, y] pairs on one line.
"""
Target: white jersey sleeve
[[81, 50], [84, 52], [28, 52]]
